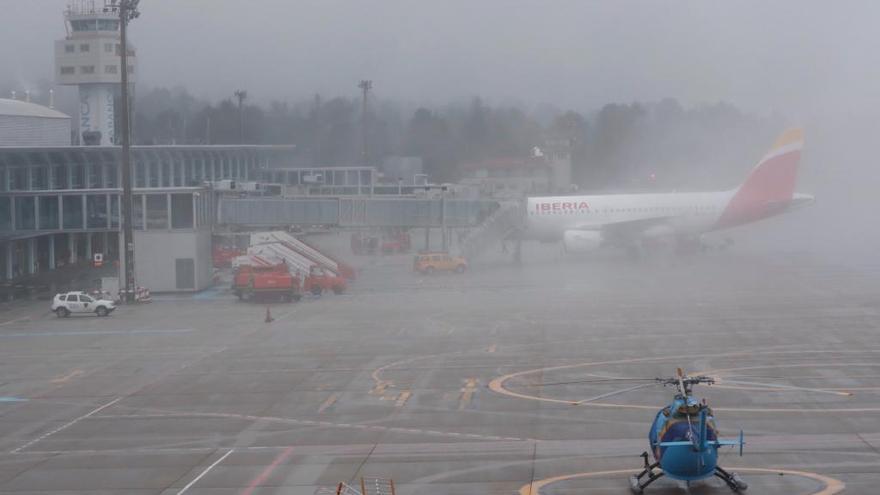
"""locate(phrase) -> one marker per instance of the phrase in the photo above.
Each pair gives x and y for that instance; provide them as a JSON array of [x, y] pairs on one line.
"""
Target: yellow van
[[429, 263]]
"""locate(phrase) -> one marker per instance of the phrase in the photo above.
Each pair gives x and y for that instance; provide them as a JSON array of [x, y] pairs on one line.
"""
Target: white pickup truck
[[79, 302]]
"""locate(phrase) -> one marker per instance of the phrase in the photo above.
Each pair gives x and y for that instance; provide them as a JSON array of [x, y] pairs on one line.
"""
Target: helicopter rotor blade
[[616, 392], [788, 387]]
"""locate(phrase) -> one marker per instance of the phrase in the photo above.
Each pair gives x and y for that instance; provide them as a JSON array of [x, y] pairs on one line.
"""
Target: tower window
[[87, 69], [67, 70], [69, 48], [108, 47], [109, 69], [84, 47]]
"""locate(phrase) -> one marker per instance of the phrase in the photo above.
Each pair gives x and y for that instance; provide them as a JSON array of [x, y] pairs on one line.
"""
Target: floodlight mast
[[127, 10]]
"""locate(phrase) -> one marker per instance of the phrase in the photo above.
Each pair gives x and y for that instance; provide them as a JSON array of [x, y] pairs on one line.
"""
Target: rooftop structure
[[23, 123]]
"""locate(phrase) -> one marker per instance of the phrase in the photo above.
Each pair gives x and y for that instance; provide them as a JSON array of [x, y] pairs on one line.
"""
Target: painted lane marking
[[402, 398], [203, 473], [93, 332], [12, 399], [264, 475], [327, 403], [497, 385], [306, 422], [66, 425], [831, 486], [10, 322], [66, 378], [467, 393]]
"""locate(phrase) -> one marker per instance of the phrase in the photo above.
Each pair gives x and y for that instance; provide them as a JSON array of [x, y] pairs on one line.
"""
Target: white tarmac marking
[[66, 425], [93, 332], [203, 473], [10, 322]]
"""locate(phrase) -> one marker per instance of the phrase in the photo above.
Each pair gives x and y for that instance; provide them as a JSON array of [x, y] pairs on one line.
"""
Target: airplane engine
[[581, 241]]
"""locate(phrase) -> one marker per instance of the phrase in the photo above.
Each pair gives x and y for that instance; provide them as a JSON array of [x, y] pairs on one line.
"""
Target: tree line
[[640, 145]]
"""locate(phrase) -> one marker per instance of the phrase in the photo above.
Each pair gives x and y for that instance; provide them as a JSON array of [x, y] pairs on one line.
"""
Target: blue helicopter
[[684, 440]]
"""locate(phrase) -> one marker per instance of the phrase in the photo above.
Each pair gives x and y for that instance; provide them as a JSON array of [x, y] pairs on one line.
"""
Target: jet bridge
[[354, 212]]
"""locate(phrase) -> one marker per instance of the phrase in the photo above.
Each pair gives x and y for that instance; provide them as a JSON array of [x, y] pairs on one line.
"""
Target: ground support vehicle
[[428, 263], [68, 303], [261, 280], [319, 280]]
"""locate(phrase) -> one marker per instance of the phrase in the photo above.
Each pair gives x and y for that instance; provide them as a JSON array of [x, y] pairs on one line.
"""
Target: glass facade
[[157, 211], [77, 188], [97, 211], [73, 212], [49, 213], [182, 211], [5, 214], [25, 213]]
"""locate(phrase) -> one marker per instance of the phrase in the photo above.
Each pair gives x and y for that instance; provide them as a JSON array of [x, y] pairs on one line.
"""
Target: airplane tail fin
[[769, 188]]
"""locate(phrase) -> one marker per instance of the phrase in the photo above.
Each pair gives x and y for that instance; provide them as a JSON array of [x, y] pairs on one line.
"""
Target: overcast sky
[[797, 57]]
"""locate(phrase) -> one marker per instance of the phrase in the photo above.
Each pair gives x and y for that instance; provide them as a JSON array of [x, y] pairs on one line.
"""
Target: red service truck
[[251, 282]]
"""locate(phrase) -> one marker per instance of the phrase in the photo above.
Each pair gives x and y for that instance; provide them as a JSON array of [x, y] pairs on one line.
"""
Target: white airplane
[[585, 223]]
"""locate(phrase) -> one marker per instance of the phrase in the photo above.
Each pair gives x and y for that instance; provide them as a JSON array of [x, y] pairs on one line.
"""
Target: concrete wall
[[156, 252]]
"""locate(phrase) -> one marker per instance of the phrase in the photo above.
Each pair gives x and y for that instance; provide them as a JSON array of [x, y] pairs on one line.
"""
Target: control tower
[[88, 57]]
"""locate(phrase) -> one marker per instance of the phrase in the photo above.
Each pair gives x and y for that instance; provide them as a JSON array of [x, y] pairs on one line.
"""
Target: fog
[[788, 62]]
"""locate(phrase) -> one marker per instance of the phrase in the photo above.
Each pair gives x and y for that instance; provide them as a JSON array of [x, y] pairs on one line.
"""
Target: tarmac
[[444, 383]]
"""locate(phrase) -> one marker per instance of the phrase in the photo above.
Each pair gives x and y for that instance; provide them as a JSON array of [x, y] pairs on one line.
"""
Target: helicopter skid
[[732, 479], [651, 473], [635, 482]]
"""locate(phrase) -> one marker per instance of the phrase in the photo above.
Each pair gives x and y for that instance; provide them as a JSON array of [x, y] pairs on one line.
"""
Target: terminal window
[[110, 69], [157, 212], [5, 214], [181, 211], [84, 47], [67, 70], [49, 212], [87, 69], [25, 213], [72, 206], [69, 48], [108, 47]]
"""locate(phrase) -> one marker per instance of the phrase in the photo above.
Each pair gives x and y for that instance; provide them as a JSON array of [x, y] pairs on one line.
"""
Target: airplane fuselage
[[547, 218]]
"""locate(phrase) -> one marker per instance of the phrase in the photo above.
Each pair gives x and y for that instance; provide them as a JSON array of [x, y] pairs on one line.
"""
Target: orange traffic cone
[[269, 318]]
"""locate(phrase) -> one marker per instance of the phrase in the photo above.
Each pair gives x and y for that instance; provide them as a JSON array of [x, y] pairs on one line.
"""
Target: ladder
[[506, 220]]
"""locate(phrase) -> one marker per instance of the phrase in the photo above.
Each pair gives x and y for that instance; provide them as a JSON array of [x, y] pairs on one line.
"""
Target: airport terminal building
[[59, 205]]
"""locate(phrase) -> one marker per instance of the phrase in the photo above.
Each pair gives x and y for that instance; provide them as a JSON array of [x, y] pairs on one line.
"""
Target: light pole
[[127, 10], [241, 95], [365, 86]]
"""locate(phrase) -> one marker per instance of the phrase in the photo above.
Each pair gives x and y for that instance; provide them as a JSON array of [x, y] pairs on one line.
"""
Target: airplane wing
[[627, 231]]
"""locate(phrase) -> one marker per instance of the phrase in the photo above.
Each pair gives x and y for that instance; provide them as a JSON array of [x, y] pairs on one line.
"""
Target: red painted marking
[[768, 187], [264, 475]]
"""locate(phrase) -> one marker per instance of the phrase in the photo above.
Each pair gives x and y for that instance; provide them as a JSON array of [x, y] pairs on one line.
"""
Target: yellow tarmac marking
[[327, 403], [497, 384], [402, 398], [66, 378], [467, 393], [830, 486]]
